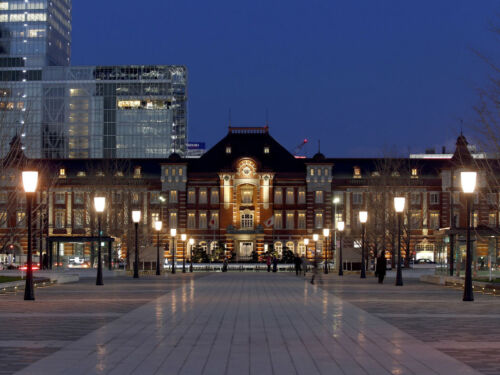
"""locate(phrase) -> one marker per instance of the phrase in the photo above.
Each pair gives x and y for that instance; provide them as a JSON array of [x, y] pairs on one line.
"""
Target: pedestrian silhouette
[[381, 268]]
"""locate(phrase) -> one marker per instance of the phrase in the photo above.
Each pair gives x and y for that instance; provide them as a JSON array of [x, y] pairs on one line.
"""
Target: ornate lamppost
[[399, 206], [158, 226], [191, 243], [173, 233], [184, 248], [340, 227], [363, 217], [468, 180], [326, 235], [30, 181], [99, 205], [136, 217]]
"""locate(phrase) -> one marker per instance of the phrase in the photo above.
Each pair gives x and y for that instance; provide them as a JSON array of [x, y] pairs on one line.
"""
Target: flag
[[212, 222], [269, 222]]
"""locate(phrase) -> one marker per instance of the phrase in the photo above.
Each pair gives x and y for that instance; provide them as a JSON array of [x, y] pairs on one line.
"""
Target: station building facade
[[248, 193]]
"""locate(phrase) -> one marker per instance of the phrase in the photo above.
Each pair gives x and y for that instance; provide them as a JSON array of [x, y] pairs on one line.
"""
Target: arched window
[[278, 247], [302, 248], [214, 245], [290, 246], [203, 245]]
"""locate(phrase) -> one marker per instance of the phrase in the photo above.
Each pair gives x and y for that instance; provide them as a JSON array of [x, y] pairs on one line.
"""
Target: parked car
[[425, 261]]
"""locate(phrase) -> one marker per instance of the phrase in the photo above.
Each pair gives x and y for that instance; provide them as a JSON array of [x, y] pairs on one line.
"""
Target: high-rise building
[[34, 33], [81, 112]]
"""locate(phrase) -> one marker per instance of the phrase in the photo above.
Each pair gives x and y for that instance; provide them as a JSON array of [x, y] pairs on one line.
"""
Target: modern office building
[[63, 111], [33, 34]]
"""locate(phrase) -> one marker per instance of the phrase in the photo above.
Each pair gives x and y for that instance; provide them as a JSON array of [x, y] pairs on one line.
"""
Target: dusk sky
[[361, 75]]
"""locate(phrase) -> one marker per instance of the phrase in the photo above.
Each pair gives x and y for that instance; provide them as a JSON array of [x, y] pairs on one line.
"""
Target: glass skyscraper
[[62, 111]]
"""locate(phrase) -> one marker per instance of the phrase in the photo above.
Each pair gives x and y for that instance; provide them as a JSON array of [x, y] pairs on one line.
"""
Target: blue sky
[[363, 76]]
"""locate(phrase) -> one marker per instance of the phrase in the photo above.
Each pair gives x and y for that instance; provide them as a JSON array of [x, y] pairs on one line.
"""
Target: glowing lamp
[[191, 241], [306, 241], [173, 232], [399, 204], [136, 216], [363, 217], [158, 225], [30, 180], [468, 181], [183, 237], [99, 204], [341, 226], [336, 200], [326, 232], [315, 237]]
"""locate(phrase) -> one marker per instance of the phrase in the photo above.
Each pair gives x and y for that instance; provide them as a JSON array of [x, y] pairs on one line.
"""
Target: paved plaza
[[249, 323]]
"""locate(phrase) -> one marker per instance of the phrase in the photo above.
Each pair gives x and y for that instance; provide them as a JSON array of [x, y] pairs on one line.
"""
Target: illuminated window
[[434, 198], [20, 218], [214, 220], [278, 221], [173, 220], [228, 149], [59, 219], [246, 220], [266, 150], [135, 198], [17, 17], [278, 247], [173, 196], [290, 246], [357, 172], [137, 172], [414, 173], [318, 220], [247, 196], [311, 172], [191, 220], [214, 196], [301, 248], [434, 220], [290, 218], [415, 220], [155, 197], [492, 219], [191, 196], [60, 198], [203, 196], [81, 174], [278, 198], [302, 196], [202, 220], [301, 224], [290, 196], [318, 196], [129, 104], [180, 171], [78, 198], [4, 6], [37, 17], [62, 173]]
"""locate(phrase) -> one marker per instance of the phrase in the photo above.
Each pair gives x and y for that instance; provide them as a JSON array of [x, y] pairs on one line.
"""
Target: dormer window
[[228, 149], [137, 172], [62, 173], [357, 172], [414, 173], [81, 174], [119, 174], [266, 150], [100, 174]]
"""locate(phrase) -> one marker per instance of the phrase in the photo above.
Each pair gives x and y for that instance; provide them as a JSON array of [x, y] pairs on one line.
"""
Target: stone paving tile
[[31, 330], [246, 323], [469, 332]]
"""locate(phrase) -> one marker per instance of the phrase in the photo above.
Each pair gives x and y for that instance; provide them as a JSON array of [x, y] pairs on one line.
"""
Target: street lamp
[[136, 217], [326, 234], [363, 217], [30, 181], [335, 201], [99, 205], [468, 186], [158, 225], [173, 233], [399, 206], [191, 243], [340, 227], [183, 239]]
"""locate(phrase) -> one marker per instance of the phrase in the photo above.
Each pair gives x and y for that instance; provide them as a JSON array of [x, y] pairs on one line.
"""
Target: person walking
[[297, 261], [275, 264], [268, 263], [303, 260], [381, 268], [315, 270], [224, 265]]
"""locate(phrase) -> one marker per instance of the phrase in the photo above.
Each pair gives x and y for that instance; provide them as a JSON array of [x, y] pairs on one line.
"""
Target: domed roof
[[318, 157], [174, 157]]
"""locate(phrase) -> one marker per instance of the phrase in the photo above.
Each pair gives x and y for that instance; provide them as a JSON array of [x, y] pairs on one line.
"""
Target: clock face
[[247, 168]]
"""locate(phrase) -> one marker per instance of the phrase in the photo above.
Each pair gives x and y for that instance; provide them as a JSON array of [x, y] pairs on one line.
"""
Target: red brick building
[[248, 192]]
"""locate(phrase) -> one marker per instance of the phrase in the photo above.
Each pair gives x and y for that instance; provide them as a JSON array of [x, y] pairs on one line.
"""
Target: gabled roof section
[[251, 142]]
